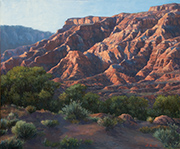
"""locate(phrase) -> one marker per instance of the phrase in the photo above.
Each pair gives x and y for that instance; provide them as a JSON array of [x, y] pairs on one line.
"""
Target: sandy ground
[[121, 137]]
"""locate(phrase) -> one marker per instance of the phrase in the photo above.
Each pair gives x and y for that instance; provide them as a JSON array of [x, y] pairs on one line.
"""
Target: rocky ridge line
[[126, 53]]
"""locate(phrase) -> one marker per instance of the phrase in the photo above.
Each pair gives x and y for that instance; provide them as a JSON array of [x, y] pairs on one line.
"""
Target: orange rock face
[[127, 53]]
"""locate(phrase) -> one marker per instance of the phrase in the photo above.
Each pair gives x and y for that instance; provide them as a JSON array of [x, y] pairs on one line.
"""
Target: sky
[[50, 15]]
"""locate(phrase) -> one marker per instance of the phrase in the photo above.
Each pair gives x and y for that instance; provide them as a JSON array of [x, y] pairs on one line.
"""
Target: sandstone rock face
[[128, 120], [127, 53], [99, 115], [163, 120]]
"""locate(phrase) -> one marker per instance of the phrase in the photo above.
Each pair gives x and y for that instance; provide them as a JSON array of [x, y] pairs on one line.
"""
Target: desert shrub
[[50, 123], [74, 111], [114, 105], [118, 105], [4, 124], [2, 132], [94, 119], [48, 143], [88, 141], [12, 122], [105, 106], [25, 86], [60, 112], [119, 120], [11, 143], [135, 118], [31, 109], [169, 137], [150, 119], [167, 106], [91, 102], [12, 116], [24, 130], [137, 107], [73, 93], [151, 112], [152, 129], [68, 142], [108, 122], [55, 105]]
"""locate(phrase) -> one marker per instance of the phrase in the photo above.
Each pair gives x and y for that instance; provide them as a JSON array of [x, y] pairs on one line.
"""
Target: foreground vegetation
[[33, 89], [67, 143], [24, 86]]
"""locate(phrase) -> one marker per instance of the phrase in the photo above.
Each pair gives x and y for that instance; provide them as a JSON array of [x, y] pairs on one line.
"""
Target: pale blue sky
[[50, 15]]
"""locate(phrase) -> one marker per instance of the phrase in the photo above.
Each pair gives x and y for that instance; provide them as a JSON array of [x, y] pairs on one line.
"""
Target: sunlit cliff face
[[113, 53]]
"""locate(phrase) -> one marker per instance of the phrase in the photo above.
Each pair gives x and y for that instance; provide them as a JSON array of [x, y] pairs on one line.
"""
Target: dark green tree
[[169, 106], [91, 102], [115, 105], [137, 107], [73, 93], [25, 86]]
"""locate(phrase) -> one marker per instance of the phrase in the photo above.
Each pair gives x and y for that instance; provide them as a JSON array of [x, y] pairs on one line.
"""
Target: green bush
[[24, 130], [88, 142], [11, 143], [94, 119], [4, 124], [50, 123], [115, 105], [108, 122], [167, 106], [55, 105], [48, 143], [74, 111], [25, 86], [150, 119], [73, 93], [12, 122], [69, 143], [152, 129], [31, 109], [169, 137], [91, 102], [135, 106], [2, 132], [12, 116]]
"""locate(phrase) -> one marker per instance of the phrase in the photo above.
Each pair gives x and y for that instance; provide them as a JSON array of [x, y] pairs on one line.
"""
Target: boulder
[[163, 120], [128, 120]]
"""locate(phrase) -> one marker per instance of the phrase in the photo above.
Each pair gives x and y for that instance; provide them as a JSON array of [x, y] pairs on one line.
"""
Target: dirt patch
[[120, 137]]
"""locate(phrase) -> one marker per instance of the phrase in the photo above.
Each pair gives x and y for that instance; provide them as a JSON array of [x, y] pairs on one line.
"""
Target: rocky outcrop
[[128, 120], [99, 115], [80, 21], [163, 120], [74, 66], [135, 53], [168, 7]]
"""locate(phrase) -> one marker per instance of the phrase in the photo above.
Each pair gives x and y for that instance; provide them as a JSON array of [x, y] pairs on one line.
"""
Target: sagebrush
[[24, 130]]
